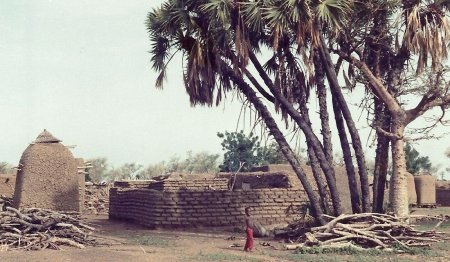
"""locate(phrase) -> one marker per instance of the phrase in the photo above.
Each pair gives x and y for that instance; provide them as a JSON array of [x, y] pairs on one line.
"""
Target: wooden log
[[66, 241]]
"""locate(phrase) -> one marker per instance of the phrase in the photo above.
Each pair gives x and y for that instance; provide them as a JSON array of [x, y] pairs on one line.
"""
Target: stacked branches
[[35, 229], [369, 230], [96, 199]]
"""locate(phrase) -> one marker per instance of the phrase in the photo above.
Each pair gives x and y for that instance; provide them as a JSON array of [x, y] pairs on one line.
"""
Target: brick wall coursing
[[191, 185], [174, 185], [154, 208], [259, 180], [133, 183]]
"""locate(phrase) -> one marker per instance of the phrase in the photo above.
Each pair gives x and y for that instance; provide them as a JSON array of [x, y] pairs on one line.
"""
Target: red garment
[[249, 242]]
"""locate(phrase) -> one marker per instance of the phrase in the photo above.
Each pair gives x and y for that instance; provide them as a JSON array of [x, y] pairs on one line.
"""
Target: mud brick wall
[[443, 197], [259, 180], [133, 183], [287, 170], [192, 185], [188, 208]]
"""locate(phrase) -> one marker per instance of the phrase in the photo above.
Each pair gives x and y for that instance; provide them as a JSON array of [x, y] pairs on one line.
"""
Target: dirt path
[[127, 242]]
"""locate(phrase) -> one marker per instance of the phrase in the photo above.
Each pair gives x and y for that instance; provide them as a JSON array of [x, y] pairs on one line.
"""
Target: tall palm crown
[[211, 32], [208, 32], [185, 26]]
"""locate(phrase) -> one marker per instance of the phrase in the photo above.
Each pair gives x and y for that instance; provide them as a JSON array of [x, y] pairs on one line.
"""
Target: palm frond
[[160, 50], [252, 13], [220, 9], [334, 12], [271, 65], [427, 34]]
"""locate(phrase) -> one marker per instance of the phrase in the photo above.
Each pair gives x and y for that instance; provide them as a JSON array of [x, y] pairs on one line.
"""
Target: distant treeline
[[202, 162]]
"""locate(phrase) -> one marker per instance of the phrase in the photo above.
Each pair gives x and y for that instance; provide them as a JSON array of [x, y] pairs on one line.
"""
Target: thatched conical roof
[[46, 137]]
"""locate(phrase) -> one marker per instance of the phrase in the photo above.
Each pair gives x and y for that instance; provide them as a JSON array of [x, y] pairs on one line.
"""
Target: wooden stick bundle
[[96, 200], [35, 229], [368, 230]]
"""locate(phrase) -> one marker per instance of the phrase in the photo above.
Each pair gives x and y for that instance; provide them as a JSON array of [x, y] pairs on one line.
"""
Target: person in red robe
[[250, 225]]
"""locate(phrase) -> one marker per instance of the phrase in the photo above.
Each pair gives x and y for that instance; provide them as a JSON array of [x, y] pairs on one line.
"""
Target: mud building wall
[[443, 196], [155, 208], [192, 185], [259, 180]]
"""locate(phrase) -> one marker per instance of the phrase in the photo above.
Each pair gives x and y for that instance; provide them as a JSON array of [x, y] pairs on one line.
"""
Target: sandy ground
[[120, 241]]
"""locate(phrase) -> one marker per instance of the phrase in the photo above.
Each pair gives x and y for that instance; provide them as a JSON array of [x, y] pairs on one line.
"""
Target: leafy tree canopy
[[6, 168], [414, 162], [240, 148], [197, 163], [98, 171]]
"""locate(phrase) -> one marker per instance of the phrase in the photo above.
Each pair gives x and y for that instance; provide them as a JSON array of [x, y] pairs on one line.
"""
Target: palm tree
[[292, 31], [212, 64], [294, 24], [211, 32]]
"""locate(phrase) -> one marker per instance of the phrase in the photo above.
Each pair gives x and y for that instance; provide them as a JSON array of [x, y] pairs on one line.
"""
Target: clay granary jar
[[48, 176], [412, 194], [426, 189]]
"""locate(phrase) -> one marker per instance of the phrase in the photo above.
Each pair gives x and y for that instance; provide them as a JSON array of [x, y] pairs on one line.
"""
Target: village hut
[[426, 190], [48, 176]]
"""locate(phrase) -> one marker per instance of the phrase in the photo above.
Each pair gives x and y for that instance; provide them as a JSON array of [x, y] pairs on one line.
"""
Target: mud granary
[[48, 176]]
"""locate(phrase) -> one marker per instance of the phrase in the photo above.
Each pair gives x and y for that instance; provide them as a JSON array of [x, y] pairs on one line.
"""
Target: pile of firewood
[[35, 229], [368, 230], [96, 199]]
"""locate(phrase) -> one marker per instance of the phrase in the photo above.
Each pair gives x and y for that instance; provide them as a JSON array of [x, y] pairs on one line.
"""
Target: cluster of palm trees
[[314, 46]]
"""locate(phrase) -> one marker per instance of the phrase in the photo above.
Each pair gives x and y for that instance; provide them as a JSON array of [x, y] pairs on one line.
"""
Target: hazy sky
[[81, 70]]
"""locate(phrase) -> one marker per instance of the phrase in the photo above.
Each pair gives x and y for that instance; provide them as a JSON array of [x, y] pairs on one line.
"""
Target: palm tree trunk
[[270, 123], [381, 158], [323, 110], [377, 52], [309, 134], [321, 186], [315, 167], [356, 141], [348, 160]]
